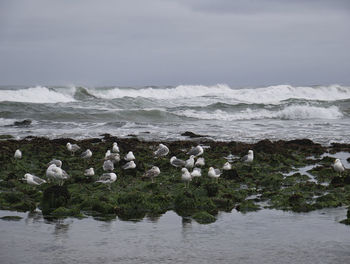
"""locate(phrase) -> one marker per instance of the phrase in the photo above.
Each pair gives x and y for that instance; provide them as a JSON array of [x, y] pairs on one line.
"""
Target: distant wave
[[271, 94], [288, 113], [219, 92], [38, 94]]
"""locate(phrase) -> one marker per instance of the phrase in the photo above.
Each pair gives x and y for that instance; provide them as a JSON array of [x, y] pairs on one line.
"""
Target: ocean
[[320, 113]]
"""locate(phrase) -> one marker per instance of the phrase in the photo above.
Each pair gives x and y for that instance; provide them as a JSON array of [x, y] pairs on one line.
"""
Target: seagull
[[72, 148], [190, 162], [196, 151], [129, 165], [162, 151], [227, 166], [107, 178], [130, 156], [114, 157], [248, 158], [89, 172], [186, 176], [214, 173], [338, 166], [200, 162], [153, 172], [108, 165], [115, 147], [33, 180], [18, 154], [197, 172], [177, 162], [56, 173], [58, 163], [86, 154]]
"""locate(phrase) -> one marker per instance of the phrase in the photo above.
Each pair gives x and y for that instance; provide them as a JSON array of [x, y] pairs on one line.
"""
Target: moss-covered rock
[[204, 217], [54, 197]]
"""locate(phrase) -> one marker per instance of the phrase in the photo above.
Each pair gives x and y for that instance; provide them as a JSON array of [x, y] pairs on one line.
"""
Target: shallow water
[[266, 236]]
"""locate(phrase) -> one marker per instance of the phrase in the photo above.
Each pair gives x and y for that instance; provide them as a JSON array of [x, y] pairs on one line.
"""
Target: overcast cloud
[[164, 42]]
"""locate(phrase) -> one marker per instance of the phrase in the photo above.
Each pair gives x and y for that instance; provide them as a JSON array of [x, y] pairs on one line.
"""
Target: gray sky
[[170, 42]]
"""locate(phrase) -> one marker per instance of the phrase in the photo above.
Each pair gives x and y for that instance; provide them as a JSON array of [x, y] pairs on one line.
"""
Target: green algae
[[11, 218], [134, 197], [204, 217]]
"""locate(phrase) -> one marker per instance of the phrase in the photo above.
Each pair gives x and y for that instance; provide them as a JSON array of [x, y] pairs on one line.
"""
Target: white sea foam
[[38, 94], [271, 94], [288, 113]]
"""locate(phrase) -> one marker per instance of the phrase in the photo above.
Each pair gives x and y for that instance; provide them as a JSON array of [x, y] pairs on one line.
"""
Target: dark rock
[[23, 123], [204, 217], [54, 197], [11, 218], [192, 135]]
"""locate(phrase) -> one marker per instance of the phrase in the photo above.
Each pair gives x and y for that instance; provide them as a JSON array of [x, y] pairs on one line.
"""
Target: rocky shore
[[288, 175]]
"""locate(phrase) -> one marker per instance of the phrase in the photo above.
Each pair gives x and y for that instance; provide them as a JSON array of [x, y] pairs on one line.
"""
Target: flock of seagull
[[190, 168]]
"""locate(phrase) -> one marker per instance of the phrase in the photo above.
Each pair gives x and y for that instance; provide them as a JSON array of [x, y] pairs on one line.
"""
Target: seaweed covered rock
[[54, 197], [131, 205], [204, 217]]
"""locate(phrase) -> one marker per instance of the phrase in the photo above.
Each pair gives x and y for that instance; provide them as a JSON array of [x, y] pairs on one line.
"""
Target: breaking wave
[[38, 94], [288, 113]]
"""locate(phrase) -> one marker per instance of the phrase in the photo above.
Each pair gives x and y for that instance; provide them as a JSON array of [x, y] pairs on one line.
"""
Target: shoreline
[[273, 180]]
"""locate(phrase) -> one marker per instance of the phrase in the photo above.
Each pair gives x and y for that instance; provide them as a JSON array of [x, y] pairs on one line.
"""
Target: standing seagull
[[162, 151], [214, 173], [338, 166], [129, 165], [190, 162], [130, 156], [86, 154], [248, 158], [108, 165], [177, 162], [33, 180], [56, 173], [107, 178], [18, 154], [72, 148], [196, 151], [153, 172], [115, 147], [186, 176]]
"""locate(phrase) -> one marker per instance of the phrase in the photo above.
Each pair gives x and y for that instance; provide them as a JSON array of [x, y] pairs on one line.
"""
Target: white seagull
[[33, 180], [114, 157], [200, 162], [214, 173], [107, 178], [153, 172], [197, 172], [190, 162], [248, 158], [58, 163], [108, 165], [177, 162], [18, 154], [89, 172], [162, 151], [338, 166], [129, 165], [115, 147], [186, 176], [86, 154], [56, 173], [72, 148], [196, 151], [227, 166], [130, 156]]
